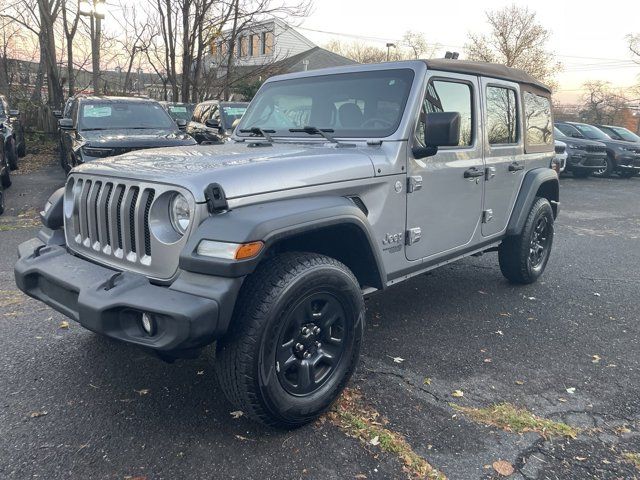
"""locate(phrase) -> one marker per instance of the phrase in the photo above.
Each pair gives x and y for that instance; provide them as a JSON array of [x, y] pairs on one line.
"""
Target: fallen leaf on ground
[[482, 292], [503, 467], [427, 381], [487, 360], [375, 440], [519, 382], [396, 359], [38, 414], [457, 393], [596, 358], [581, 459], [499, 332], [237, 414], [64, 324], [360, 476], [200, 372], [571, 390], [563, 400], [596, 294], [144, 391], [244, 439]]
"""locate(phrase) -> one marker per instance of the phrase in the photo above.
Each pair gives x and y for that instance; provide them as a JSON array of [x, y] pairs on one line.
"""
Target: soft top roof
[[485, 69]]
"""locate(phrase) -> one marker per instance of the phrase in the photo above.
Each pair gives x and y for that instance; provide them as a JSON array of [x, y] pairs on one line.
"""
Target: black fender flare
[[533, 180], [271, 222]]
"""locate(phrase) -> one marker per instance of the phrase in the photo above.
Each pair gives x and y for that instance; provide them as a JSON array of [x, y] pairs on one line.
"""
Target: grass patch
[[364, 423], [518, 420], [633, 458]]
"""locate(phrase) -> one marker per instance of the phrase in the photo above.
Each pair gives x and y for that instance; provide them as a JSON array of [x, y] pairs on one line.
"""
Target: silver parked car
[[336, 183]]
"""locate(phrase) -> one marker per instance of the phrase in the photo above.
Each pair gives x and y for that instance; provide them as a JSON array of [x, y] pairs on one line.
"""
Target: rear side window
[[502, 116], [537, 116], [447, 96]]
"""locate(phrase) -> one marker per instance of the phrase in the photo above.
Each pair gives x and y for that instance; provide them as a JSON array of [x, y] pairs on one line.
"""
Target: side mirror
[[441, 129], [14, 113], [57, 114], [65, 124], [211, 123], [182, 123], [577, 135]]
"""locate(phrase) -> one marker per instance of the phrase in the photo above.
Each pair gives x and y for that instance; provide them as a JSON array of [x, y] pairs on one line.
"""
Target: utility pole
[[95, 10], [389, 45]]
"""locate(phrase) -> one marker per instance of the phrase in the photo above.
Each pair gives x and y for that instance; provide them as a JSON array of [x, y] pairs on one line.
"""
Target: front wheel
[[294, 340], [524, 257], [606, 170], [5, 178], [12, 156]]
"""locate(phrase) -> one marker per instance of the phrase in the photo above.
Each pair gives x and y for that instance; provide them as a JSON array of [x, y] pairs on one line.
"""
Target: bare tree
[[359, 52], [70, 20], [417, 46], [516, 40], [603, 105]]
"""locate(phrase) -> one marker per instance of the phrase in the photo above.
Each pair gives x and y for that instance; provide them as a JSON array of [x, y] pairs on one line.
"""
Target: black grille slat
[[147, 231], [106, 211], [132, 218], [119, 217]]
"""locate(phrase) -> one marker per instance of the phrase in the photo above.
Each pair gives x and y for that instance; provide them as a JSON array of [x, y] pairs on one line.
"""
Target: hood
[[579, 142], [618, 143], [133, 138], [239, 168]]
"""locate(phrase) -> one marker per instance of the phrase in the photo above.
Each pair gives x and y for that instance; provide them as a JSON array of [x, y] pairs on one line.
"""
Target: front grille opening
[[132, 218], [119, 217], [109, 188], [147, 231]]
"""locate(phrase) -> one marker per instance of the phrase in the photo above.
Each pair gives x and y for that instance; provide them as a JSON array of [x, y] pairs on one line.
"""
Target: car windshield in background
[[558, 133], [180, 112], [592, 132], [362, 104], [625, 134], [231, 113], [123, 115]]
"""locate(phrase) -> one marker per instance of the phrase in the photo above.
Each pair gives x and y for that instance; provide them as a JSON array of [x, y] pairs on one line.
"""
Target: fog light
[[148, 324]]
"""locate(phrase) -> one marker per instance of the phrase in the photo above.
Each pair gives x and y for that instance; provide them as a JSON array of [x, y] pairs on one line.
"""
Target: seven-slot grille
[[596, 148], [112, 218]]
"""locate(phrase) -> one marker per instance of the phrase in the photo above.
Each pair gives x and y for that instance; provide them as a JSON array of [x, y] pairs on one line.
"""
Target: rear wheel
[[294, 340], [5, 178], [524, 257], [12, 156], [606, 170]]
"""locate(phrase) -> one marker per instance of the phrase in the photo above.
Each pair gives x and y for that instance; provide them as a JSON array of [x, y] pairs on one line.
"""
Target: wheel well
[[551, 191], [345, 242]]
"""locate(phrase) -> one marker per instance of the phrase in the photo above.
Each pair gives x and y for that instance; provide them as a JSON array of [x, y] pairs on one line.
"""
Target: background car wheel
[[524, 257], [582, 173], [606, 171], [12, 156], [22, 150], [64, 160], [5, 178], [627, 173], [295, 340], [1, 201]]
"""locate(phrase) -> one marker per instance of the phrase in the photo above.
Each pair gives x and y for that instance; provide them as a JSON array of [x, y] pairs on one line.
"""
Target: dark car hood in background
[[134, 138], [618, 143], [241, 169], [579, 142]]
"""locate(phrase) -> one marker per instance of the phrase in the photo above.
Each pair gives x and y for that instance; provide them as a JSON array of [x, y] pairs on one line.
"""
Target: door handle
[[473, 172], [515, 167]]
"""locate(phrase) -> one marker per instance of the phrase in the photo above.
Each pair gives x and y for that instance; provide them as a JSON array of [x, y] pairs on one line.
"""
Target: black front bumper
[[111, 303]]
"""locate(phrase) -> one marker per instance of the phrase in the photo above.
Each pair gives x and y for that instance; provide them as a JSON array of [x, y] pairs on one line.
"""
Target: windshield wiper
[[325, 132], [259, 132]]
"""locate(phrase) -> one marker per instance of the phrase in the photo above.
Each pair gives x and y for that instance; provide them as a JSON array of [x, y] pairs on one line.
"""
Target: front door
[[504, 155], [447, 207]]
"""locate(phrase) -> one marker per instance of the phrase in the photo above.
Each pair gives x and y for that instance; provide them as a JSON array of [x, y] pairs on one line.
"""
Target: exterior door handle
[[473, 172], [515, 167]]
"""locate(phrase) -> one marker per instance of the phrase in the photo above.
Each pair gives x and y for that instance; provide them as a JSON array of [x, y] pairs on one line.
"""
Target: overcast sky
[[590, 42]]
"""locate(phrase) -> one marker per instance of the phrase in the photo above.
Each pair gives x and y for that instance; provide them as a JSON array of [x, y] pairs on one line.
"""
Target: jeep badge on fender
[[266, 244]]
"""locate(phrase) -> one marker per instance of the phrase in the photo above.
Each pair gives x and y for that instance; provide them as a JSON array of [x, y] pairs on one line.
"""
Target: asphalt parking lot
[[74, 405]]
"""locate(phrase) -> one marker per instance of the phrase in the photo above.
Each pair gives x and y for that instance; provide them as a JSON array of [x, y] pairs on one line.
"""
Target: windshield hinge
[[216, 199]]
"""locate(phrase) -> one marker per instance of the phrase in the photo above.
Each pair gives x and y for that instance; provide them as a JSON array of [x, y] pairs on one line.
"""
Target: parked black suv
[[623, 158], [583, 156], [180, 112], [12, 132], [619, 133], [213, 121], [101, 127]]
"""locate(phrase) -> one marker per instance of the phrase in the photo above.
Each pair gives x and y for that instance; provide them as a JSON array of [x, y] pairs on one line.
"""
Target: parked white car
[[561, 156]]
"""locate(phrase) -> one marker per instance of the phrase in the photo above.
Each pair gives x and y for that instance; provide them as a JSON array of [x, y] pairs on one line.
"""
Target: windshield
[[123, 115], [232, 112], [558, 133], [591, 132], [362, 104], [180, 112], [625, 134]]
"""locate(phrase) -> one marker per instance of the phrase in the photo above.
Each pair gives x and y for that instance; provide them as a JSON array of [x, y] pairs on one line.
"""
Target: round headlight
[[179, 213]]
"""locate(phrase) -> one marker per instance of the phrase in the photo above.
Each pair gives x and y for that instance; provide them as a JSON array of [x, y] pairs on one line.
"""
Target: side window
[[537, 114], [502, 116], [448, 96]]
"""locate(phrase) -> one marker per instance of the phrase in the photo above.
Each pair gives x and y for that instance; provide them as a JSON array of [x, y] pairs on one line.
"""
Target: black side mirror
[[211, 123], [182, 123], [65, 124], [577, 135], [57, 114], [441, 129], [14, 113]]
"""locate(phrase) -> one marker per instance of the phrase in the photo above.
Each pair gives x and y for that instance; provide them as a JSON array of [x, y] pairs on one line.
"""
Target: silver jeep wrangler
[[336, 183]]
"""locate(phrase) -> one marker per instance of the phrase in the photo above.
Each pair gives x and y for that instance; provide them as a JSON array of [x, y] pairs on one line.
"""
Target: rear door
[[504, 152], [444, 201]]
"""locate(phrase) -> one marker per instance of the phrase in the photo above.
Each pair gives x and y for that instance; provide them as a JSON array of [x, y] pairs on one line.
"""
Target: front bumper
[[586, 161], [111, 302], [628, 161]]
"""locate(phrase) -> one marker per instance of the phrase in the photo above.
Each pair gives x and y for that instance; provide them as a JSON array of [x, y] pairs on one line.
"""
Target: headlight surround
[[97, 152], [179, 213]]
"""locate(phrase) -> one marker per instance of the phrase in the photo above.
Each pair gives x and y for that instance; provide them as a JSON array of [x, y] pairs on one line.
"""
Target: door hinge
[[414, 183], [487, 216], [489, 173], [413, 235]]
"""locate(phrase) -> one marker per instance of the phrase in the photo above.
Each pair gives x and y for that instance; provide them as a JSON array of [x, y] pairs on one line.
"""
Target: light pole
[[389, 45], [95, 10]]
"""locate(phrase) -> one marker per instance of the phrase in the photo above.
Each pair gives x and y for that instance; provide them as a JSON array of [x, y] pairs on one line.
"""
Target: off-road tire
[[64, 159], [515, 252], [246, 356], [5, 179], [608, 170], [12, 156], [582, 173], [22, 150]]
